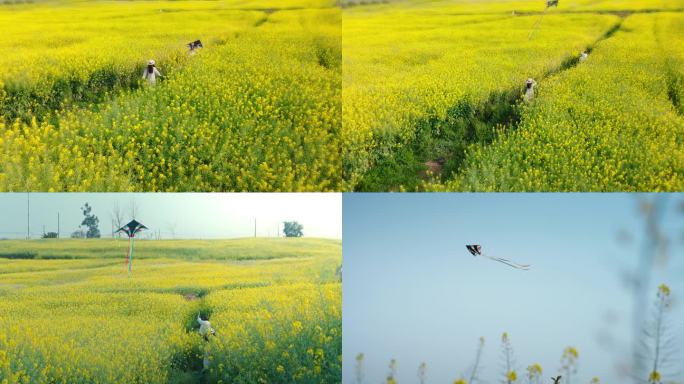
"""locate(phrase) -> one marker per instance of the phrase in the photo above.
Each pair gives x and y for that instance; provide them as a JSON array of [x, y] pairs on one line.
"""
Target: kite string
[[537, 24], [130, 264], [128, 253]]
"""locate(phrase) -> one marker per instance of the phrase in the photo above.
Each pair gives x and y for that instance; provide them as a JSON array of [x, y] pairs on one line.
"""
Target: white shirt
[[151, 77], [205, 327]]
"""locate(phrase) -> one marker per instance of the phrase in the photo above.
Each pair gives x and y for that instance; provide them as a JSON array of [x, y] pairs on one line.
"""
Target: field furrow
[[430, 88], [606, 125]]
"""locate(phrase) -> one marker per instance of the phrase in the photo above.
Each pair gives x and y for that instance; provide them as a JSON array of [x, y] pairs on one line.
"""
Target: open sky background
[[187, 215], [412, 291]]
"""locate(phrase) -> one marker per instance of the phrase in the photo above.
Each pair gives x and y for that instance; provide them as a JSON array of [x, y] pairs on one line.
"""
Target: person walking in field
[[529, 90], [583, 57], [205, 330], [151, 72]]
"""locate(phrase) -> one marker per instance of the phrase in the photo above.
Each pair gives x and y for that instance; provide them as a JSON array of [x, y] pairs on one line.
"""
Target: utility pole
[[58, 233]]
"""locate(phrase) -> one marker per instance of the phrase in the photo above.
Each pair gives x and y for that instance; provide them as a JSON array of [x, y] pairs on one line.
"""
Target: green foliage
[[18, 255], [293, 229], [91, 222]]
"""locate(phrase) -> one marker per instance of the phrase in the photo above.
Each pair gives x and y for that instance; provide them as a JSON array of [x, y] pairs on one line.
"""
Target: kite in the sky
[[476, 250], [131, 229]]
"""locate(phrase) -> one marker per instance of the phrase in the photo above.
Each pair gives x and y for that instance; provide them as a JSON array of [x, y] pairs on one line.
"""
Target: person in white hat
[[529, 90], [151, 72]]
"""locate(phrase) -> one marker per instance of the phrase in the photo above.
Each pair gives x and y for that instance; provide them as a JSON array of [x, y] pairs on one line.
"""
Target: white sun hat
[[151, 62]]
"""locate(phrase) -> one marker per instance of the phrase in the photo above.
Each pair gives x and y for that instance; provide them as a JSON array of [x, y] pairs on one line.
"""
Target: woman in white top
[[205, 328], [151, 72]]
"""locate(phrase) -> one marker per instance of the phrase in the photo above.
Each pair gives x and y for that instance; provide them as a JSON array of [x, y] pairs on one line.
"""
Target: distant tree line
[[293, 229], [90, 225]]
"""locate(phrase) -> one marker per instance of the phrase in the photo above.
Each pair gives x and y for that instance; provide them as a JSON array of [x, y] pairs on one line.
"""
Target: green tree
[[293, 229], [90, 221]]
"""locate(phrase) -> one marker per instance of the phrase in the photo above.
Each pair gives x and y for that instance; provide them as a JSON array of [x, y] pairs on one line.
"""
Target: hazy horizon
[[175, 215]]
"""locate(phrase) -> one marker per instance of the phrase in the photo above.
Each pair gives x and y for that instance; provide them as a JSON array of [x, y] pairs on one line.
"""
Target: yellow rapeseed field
[[606, 125], [275, 305], [258, 108], [437, 82]]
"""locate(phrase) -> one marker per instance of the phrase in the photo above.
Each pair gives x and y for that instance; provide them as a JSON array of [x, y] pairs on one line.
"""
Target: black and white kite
[[131, 229], [476, 250], [194, 45]]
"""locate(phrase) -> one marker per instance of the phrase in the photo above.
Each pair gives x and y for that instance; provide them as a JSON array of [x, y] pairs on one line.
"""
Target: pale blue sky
[[187, 215], [412, 291]]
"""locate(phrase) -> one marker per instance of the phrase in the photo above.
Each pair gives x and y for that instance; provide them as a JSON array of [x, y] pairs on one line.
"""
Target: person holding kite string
[[151, 73]]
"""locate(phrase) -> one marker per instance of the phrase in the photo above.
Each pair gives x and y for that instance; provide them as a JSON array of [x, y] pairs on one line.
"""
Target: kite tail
[[523, 267], [128, 254], [515, 265], [130, 262]]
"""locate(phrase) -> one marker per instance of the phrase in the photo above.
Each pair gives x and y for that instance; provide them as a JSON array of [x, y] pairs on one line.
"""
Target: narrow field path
[[188, 366], [675, 76], [500, 113]]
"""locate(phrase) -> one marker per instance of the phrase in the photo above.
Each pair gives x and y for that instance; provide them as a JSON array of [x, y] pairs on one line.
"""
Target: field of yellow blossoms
[[69, 312], [432, 95], [257, 109]]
